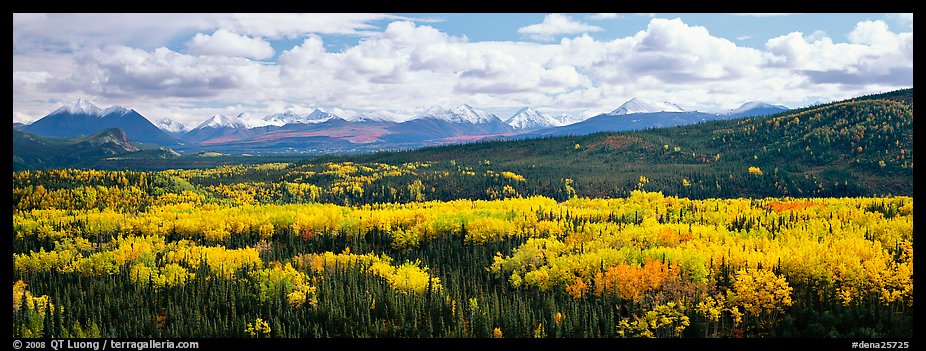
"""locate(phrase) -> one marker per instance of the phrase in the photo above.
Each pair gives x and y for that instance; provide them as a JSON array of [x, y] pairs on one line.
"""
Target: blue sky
[[187, 67]]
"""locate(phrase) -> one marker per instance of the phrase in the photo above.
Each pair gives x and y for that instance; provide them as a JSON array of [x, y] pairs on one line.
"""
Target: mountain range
[[636, 105], [814, 151], [856, 147], [326, 132], [84, 118]]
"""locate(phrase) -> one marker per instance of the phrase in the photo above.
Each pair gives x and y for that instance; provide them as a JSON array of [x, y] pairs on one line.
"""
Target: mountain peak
[[80, 107], [83, 106], [319, 116], [637, 105], [222, 121], [291, 117], [463, 113], [170, 125], [113, 140], [754, 108], [115, 109], [527, 118]]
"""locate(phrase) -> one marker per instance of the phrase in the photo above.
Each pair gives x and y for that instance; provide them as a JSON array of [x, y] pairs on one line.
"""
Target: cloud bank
[[400, 66]]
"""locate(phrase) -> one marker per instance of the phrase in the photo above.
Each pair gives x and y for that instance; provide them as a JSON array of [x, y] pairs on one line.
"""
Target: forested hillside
[[856, 147]]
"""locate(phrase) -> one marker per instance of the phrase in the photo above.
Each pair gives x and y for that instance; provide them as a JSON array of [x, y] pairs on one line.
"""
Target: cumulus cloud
[[119, 71], [294, 25], [225, 43], [604, 16], [72, 31], [295, 63], [873, 55], [405, 66], [674, 53], [556, 24]]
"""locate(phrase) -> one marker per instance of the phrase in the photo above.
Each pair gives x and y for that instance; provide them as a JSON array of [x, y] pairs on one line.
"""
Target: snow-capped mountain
[[171, 126], [566, 120], [115, 111], [637, 114], [754, 108], [290, 117], [529, 119], [460, 114], [279, 119], [319, 116], [85, 107], [222, 121], [82, 117], [636, 105], [220, 128], [80, 107]]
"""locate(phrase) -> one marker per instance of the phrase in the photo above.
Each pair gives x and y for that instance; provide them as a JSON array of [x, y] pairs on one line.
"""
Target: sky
[[188, 67]]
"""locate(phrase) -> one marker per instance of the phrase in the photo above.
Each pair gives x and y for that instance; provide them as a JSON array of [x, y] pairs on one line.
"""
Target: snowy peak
[[318, 116], [377, 116], [528, 118], [636, 105], [753, 105], [85, 107], [222, 121], [460, 114], [244, 116], [566, 120], [80, 107], [290, 117], [284, 118], [172, 126], [115, 110]]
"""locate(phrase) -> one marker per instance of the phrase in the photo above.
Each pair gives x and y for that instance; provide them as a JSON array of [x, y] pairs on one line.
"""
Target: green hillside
[[32, 151], [861, 146]]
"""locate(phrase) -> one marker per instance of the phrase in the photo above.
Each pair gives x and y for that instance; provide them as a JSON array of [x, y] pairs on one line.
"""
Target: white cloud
[[675, 53], [763, 14], [604, 16], [873, 55], [404, 67], [302, 58], [294, 25], [556, 24], [225, 43], [73, 31], [70, 32], [119, 71], [30, 77], [421, 63], [872, 33]]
